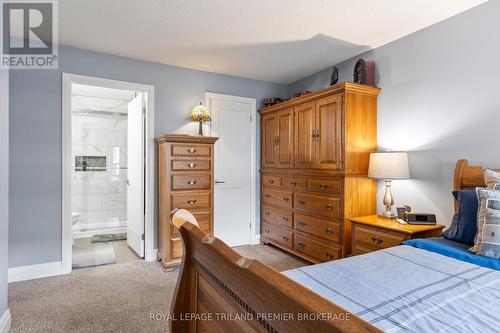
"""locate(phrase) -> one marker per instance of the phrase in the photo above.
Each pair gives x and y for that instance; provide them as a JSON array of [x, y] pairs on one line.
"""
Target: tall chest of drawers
[[185, 180], [314, 164]]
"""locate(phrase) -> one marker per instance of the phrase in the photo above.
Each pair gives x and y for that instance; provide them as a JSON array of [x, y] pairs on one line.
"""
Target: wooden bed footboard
[[220, 291]]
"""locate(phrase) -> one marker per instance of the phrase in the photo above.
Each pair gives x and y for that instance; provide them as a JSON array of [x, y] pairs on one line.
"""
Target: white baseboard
[[31, 272], [5, 322], [255, 239]]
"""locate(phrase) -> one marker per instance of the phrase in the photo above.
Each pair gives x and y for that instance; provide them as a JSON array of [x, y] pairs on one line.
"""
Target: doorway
[[234, 122], [107, 172]]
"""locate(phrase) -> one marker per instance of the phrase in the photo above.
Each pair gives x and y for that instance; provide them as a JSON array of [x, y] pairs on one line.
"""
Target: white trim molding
[[5, 322], [67, 81], [30, 272], [254, 237]]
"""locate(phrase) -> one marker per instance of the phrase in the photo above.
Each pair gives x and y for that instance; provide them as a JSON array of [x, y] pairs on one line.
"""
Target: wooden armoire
[[185, 180], [315, 153]]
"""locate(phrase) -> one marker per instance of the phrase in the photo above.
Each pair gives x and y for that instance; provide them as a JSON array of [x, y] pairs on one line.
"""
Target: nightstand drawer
[[315, 204], [191, 181], [315, 249], [190, 165], [190, 201], [321, 228], [277, 234], [376, 238], [282, 217], [277, 197], [271, 181], [182, 149]]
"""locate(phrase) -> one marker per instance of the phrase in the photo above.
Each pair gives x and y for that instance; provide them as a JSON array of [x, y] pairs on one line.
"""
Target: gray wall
[[440, 100], [35, 147], [4, 186]]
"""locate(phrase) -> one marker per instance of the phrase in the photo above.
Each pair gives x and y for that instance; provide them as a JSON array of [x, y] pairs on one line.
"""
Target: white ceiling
[[273, 40]]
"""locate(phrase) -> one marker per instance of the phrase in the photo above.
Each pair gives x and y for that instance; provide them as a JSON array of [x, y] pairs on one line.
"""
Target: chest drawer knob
[[192, 165], [286, 199], [271, 181], [301, 223], [192, 182], [285, 218], [377, 240], [329, 207], [323, 187], [302, 245], [329, 255], [293, 184], [285, 238], [266, 231], [329, 231], [302, 202], [267, 195], [192, 150], [267, 212], [191, 201]]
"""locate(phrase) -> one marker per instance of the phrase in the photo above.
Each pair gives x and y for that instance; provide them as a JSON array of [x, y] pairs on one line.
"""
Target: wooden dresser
[[185, 180], [314, 164]]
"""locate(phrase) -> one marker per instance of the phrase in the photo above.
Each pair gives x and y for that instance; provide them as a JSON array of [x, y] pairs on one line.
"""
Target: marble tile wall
[[100, 196]]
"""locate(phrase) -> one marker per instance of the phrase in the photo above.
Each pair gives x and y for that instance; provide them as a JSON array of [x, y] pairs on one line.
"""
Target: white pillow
[[491, 178]]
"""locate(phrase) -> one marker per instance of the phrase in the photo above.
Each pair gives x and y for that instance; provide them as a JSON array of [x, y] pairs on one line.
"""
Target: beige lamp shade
[[200, 113], [389, 165]]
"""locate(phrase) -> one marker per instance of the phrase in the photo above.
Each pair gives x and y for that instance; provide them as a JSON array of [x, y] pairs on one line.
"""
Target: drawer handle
[[293, 184], [267, 212], [329, 231], [302, 202], [192, 165], [286, 199], [302, 245], [377, 240], [301, 223], [266, 231], [329, 207], [191, 201], [271, 181], [285, 218], [192, 150], [329, 255], [285, 238], [192, 182], [267, 195], [323, 187]]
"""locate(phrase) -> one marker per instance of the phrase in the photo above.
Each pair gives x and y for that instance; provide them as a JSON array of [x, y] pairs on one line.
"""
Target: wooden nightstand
[[371, 233]]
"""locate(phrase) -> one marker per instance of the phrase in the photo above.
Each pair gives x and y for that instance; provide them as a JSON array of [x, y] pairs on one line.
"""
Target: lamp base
[[200, 128]]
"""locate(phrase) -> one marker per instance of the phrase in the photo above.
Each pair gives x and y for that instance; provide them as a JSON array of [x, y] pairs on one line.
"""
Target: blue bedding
[[409, 289], [453, 250]]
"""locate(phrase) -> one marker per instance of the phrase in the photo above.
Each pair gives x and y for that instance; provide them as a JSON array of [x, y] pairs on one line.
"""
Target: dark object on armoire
[[335, 76], [364, 72], [271, 101], [301, 93]]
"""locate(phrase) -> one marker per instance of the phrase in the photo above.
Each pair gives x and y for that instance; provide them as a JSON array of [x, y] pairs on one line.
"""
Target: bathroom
[[99, 175]]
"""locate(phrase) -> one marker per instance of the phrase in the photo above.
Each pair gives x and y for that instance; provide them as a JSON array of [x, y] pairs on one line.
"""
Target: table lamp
[[200, 113], [388, 165]]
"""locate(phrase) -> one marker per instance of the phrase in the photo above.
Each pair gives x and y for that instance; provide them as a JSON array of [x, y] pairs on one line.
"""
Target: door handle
[[220, 182], [127, 182]]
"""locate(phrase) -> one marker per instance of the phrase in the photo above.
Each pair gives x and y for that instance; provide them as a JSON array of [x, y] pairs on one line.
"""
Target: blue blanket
[[408, 289]]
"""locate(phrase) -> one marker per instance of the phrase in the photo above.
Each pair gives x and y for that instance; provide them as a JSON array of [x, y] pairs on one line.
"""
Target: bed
[[431, 285]]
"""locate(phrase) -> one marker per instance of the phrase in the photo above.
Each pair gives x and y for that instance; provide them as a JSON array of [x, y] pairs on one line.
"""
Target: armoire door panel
[[269, 139], [329, 133], [284, 158], [305, 124]]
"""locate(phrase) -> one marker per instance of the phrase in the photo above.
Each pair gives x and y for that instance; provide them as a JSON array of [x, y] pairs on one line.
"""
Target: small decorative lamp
[[200, 113], [388, 166]]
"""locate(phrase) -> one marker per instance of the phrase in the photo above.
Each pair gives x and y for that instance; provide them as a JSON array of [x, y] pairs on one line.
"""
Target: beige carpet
[[113, 298]]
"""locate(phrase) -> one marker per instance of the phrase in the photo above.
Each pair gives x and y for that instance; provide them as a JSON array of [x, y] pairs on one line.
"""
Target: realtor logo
[[29, 34]]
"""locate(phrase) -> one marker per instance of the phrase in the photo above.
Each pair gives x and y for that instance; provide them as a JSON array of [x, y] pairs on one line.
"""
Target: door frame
[[67, 234], [209, 96]]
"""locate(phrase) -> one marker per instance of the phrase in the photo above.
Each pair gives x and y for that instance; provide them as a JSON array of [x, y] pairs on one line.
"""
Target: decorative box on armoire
[[185, 180], [314, 165]]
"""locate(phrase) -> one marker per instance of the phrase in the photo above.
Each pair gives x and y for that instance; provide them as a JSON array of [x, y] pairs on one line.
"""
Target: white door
[[231, 122], [135, 175]]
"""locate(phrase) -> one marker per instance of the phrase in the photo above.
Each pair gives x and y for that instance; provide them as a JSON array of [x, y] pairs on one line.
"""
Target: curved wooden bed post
[[220, 291]]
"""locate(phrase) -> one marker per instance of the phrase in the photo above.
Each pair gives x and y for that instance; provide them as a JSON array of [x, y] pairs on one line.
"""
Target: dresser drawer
[[294, 183], [185, 149], [271, 181], [191, 181], [203, 220], [324, 186], [376, 238], [277, 197], [190, 201], [315, 249], [278, 216], [191, 165], [326, 206], [321, 228], [277, 234]]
